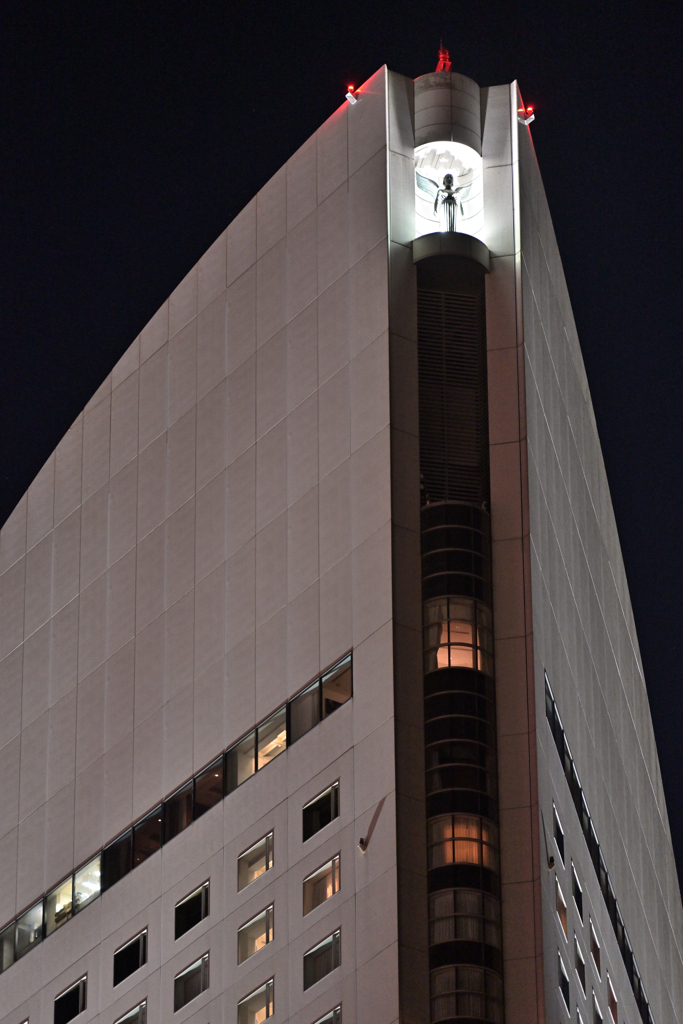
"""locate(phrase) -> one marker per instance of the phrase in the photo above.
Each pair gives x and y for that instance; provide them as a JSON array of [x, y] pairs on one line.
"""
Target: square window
[[595, 950], [254, 862], [29, 930], [611, 1001], [147, 836], [178, 811], [320, 885], [7, 947], [71, 1003], [258, 1005], [304, 711], [272, 738], [138, 1015], [117, 860], [577, 892], [130, 958], [193, 909], [322, 959], [87, 883], [333, 1017], [240, 762], [191, 982], [208, 788], [336, 686], [580, 964], [558, 834], [255, 934], [563, 981], [561, 906], [59, 905], [321, 811]]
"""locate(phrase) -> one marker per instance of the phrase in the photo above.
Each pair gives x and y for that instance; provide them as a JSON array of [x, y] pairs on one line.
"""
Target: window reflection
[[29, 929]]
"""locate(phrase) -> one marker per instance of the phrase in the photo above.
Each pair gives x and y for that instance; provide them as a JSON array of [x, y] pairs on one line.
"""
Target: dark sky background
[[132, 133]]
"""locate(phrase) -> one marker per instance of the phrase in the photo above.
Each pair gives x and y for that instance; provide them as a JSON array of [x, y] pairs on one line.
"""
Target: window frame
[[595, 942], [128, 1014], [562, 916], [82, 986], [141, 935], [563, 976], [203, 891], [612, 1002], [268, 987], [576, 885], [203, 963], [335, 863], [334, 940], [269, 914], [335, 801], [557, 829], [270, 856], [578, 956]]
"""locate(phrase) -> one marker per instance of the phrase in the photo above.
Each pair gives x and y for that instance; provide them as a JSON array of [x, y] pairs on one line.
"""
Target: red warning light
[[351, 94]]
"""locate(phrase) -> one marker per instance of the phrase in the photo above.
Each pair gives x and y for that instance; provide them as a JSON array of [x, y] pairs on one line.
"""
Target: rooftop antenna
[[444, 63]]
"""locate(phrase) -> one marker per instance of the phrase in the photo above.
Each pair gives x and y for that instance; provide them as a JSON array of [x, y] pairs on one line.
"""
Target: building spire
[[444, 63]]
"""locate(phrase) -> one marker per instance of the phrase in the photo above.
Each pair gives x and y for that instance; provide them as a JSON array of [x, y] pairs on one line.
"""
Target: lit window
[[457, 634], [193, 909], [320, 885], [471, 992], [255, 861], [333, 1017], [258, 1005], [577, 892], [580, 964], [191, 982], [597, 1012], [87, 883], [561, 907], [611, 1001], [138, 1015], [59, 905], [271, 738], [595, 950], [321, 811], [29, 929], [320, 699], [322, 959], [558, 834], [130, 958], [464, 914], [462, 839], [72, 1002], [563, 981], [255, 934]]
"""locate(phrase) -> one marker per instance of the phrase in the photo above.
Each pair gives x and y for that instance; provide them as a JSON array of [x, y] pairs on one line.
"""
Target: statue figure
[[447, 199]]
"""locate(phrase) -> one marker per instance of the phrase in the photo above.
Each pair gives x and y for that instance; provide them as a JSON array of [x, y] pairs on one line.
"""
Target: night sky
[[132, 133]]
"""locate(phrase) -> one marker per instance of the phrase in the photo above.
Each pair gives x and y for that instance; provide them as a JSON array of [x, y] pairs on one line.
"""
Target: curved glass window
[[462, 839], [464, 914], [458, 633], [466, 992]]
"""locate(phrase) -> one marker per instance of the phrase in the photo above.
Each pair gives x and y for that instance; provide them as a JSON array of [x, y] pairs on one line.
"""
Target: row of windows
[[563, 981], [288, 724], [591, 838], [193, 980], [318, 886]]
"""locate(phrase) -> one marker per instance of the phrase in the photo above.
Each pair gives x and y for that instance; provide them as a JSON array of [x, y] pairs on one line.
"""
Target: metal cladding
[[447, 109]]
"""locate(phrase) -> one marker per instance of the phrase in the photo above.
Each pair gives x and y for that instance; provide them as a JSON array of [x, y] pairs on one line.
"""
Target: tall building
[[320, 691]]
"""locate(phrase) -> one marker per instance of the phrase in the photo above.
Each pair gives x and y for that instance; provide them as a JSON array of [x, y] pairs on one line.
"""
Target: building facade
[[320, 692]]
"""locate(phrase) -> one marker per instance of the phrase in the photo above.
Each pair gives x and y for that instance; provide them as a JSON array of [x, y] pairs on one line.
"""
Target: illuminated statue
[[447, 200]]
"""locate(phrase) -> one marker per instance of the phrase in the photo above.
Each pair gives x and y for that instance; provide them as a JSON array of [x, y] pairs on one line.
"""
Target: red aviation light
[[351, 94], [525, 115]]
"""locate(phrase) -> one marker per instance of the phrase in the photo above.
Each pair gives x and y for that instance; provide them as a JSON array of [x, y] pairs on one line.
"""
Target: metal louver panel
[[453, 399]]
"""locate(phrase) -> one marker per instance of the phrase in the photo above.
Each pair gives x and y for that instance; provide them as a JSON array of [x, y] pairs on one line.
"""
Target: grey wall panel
[[212, 532], [584, 637]]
